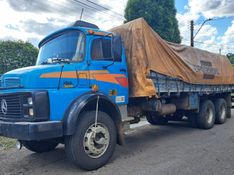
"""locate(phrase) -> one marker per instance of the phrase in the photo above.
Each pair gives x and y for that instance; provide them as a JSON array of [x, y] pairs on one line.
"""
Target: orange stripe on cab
[[98, 75]]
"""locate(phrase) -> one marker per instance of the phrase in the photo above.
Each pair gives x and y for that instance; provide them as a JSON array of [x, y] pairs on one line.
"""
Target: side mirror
[[116, 47]]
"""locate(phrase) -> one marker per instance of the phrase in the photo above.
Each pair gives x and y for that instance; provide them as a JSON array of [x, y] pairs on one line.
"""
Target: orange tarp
[[146, 51]]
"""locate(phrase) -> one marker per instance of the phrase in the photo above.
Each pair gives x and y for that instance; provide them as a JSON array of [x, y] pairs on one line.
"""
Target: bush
[[16, 54]]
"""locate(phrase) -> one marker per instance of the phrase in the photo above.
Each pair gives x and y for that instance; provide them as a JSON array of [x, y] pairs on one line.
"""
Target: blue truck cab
[[81, 72]]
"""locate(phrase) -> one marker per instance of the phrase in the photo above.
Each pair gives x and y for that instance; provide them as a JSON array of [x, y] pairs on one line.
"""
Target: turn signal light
[[95, 88], [91, 32]]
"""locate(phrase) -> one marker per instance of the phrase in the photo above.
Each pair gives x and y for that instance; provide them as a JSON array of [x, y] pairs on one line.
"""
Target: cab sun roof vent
[[80, 23]]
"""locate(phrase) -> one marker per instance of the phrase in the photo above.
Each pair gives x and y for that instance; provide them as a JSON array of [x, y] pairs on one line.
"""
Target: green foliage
[[16, 54], [159, 14], [231, 57]]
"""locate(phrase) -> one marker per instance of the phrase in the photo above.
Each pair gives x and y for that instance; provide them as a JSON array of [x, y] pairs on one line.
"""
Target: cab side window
[[101, 49]]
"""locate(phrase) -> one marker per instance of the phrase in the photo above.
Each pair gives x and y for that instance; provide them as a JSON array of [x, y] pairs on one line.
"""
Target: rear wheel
[[156, 120], [92, 145], [206, 115], [220, 111], [40, 146]]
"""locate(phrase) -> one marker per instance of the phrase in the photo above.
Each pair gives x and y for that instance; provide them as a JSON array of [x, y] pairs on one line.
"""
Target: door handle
[[123, 70]]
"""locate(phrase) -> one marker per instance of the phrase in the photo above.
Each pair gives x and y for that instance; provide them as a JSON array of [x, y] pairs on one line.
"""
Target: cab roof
[[87, 28]]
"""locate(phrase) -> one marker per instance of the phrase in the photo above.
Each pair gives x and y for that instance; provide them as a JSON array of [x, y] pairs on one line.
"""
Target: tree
[[231, 57], [16, 54], [159, 14]]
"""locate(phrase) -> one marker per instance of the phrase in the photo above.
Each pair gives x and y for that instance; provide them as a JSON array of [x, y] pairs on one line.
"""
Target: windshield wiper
[[56, 60], [45, 62]]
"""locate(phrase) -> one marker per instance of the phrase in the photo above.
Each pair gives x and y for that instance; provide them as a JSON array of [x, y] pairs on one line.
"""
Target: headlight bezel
[[36, 106]]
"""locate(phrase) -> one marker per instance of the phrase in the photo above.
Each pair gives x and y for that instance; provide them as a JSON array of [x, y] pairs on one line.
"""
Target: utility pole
[[220, 51], [192, 31]]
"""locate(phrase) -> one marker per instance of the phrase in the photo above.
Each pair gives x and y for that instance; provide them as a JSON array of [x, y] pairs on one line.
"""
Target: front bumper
[[31, 130]]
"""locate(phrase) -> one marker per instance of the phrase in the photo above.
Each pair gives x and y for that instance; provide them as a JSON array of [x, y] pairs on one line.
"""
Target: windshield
[[69, 46]]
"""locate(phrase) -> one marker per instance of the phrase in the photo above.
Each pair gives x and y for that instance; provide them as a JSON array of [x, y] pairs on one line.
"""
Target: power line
[[71, 9], [214, 19], [105, 8], [89, 6], [222, 18], [216, 45], [67, 9], [208, 44], [199, 42], [94, 8]]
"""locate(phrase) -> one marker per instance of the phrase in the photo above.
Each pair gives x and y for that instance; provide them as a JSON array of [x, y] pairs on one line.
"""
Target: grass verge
[[6, 143]]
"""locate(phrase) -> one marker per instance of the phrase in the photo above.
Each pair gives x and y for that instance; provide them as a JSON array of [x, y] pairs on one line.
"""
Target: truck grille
[[12, 106]]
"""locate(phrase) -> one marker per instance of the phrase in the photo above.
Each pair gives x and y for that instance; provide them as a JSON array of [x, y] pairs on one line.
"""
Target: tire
[[220, 111], [156, 120], [229, 112], [206, 115], [83, 149], [229, 105], [40, 146]]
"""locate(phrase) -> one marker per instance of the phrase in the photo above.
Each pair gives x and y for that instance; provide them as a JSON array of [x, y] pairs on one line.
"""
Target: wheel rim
[[96, 140], [223, 112], [209, 115]]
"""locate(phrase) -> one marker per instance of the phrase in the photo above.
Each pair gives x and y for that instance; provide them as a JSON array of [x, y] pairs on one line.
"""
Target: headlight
[[28, 106], [30, 101]]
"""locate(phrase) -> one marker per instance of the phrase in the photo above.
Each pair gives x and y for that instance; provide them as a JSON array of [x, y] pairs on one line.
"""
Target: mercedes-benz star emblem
[[4, 106]]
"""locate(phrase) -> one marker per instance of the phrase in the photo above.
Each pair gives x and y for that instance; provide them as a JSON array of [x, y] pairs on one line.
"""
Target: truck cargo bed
[[169, 85]]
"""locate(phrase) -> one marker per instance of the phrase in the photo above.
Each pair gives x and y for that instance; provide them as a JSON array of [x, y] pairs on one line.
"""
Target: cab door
[[109, 75]]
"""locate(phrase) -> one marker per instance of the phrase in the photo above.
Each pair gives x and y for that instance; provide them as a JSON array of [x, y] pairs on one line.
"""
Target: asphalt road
[[175, 149]]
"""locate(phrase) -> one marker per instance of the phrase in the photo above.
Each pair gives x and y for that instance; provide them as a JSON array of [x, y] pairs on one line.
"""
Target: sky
[[32, 20]]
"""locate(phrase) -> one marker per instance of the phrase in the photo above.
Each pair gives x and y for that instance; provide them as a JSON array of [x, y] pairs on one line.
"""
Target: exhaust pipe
[[167, 109], [19, 145]]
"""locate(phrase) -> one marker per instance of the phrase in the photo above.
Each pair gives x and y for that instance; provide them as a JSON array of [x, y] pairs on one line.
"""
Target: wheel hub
[[96, 140]]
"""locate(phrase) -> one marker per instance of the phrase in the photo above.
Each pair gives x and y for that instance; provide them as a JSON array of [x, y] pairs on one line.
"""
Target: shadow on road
[[137, 141], [146, 137], [161, 143]]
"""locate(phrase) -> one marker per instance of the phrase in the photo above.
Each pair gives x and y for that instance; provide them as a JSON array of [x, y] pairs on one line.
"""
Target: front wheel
[[92, 145]]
